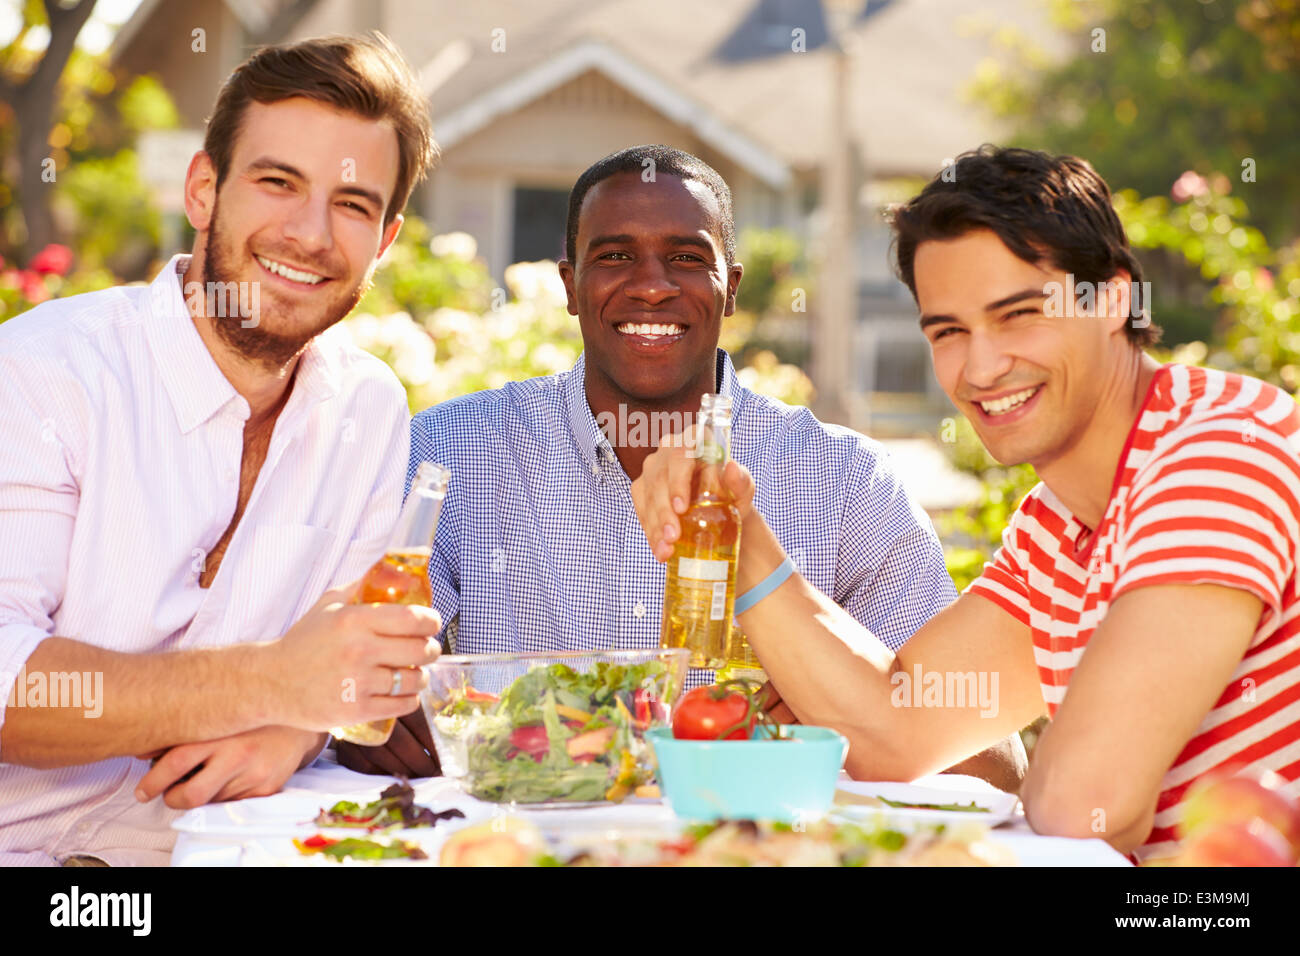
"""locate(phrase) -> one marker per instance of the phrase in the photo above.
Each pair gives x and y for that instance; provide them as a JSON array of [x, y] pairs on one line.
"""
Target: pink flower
[[54, 259], [1188, 186], [32, 286], [1263, 278]]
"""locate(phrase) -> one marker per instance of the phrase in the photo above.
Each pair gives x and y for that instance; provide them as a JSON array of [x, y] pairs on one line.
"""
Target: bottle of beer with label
[[401, 576], [741, 659], [700, 592]]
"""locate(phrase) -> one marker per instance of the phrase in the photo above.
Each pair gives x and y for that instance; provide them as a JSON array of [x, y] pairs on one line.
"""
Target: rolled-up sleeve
[[38, 509]]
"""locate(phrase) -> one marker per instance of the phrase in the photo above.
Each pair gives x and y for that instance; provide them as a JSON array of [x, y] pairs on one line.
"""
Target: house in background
[[526, 96]]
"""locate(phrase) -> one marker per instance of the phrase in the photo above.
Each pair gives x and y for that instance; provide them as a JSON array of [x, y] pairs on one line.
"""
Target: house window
[[538, 224]]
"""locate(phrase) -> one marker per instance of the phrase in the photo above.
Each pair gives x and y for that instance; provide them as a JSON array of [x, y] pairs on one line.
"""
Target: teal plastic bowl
[[750, 779]]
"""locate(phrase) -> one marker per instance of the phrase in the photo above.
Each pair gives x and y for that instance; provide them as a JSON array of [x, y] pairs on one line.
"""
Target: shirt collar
[[582, 423], [196, 386]]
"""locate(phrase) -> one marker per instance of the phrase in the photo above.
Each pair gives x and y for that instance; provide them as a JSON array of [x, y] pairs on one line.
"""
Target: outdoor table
[[325, 781]]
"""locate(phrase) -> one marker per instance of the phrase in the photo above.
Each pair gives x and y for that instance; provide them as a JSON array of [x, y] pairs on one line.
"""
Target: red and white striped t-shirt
[[1207, 492]]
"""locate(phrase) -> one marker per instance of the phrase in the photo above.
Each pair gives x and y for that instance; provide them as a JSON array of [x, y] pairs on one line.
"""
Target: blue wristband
[[763, 588]]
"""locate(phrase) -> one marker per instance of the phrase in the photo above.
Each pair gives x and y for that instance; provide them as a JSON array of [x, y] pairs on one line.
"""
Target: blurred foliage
[[764, 331], [1254, 290], [102, 207], [435, 315], [1179, 85], [774, 266], [971, 534]]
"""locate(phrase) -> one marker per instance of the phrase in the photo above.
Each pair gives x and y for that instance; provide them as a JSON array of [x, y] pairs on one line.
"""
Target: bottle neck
[[715, 439], [714, 450], [418, 522]]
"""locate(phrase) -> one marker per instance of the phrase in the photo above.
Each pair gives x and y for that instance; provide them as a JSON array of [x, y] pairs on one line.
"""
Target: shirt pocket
[[280, 574]]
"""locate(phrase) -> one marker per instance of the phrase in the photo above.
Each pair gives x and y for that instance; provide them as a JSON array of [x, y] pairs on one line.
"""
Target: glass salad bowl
[[566, 727]]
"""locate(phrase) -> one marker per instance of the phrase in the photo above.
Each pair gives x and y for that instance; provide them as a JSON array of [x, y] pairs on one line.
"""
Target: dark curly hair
[[1040, 206]]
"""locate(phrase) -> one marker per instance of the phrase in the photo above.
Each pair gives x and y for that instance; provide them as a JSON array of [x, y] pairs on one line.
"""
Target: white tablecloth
[[207, 837]]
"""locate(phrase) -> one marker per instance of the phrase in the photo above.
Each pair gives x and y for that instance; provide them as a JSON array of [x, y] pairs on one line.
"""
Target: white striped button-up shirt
[[120, 451]]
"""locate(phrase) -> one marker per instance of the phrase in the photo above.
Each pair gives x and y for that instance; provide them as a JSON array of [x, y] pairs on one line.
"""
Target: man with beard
[[194, 477], [539, 547]]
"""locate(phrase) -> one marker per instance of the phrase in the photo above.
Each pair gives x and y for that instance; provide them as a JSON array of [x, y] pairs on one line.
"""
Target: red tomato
[[532, 741], [704, 713]]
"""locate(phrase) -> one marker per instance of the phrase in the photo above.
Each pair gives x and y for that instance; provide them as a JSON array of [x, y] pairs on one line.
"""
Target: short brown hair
[[1041, 206], [362, 75]]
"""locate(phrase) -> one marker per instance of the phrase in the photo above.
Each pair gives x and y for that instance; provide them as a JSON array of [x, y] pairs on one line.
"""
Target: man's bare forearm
[[147, 702], [832, 672], [828, 675]]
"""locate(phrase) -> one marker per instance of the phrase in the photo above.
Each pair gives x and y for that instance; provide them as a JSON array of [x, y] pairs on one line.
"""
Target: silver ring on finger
[[396, 689]]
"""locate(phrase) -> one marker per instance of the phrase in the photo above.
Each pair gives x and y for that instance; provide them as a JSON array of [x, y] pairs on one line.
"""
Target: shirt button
[[639, 610]]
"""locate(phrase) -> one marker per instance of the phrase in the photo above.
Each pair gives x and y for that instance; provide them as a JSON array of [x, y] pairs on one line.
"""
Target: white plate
[[1034, 850], [280, 851], [1000, 807], [291, 813]]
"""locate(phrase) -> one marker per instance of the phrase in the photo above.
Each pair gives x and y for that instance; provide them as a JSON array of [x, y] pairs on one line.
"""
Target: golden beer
[[700, 591], [401, 576]]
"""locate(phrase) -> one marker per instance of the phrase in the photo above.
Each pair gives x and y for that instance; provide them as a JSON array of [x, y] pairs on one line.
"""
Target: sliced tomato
[[678, 847], [532, 741], [480, 697], [317, 842], [641, 710]]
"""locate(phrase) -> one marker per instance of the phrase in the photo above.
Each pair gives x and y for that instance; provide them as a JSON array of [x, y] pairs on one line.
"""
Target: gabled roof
[[728, 69], [912, 63], [656, 91]]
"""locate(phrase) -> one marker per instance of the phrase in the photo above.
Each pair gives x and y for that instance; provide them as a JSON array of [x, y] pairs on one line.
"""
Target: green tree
[[28, 85], [1166, 85], [86, 184]]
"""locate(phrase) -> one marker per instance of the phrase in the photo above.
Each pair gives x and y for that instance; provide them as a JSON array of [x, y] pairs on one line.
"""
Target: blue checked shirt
[[539, 548]]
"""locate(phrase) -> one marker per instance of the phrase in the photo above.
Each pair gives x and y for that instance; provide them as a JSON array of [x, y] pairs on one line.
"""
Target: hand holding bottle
[[662, 493]]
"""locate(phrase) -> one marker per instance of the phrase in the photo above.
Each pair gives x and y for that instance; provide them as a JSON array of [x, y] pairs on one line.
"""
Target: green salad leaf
[[559, 734]]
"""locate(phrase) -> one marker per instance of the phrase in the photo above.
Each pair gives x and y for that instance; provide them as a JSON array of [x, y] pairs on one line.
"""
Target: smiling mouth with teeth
[[648, 330], [295, 275], [1008, 403]]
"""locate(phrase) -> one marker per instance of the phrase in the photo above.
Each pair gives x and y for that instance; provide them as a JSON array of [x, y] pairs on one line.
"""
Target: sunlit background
[[819, 113]]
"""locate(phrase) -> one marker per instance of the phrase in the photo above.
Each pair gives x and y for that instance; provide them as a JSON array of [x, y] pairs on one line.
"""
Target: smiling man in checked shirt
[[539, 548]]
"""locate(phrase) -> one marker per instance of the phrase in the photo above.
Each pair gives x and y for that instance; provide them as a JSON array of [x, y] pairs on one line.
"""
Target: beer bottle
[[401, 576], [700, 591]]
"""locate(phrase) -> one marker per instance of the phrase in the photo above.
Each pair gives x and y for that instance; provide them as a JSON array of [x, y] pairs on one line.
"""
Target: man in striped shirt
[[538, 547], [1145, 594]]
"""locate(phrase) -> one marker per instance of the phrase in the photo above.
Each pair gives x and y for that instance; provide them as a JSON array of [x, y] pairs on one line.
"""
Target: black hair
[[1041, 206], [664, 160]]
